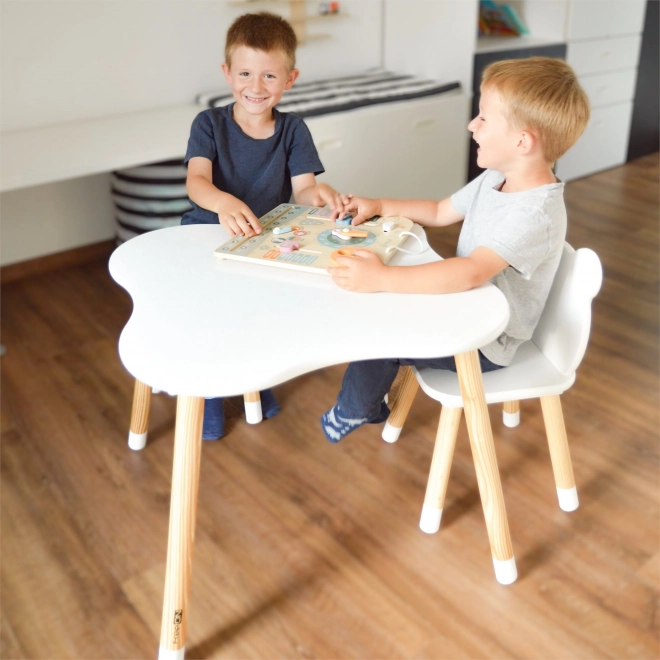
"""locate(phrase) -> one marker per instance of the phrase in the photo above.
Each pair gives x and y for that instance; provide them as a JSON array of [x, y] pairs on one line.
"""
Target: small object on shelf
[[499, 20], [329, 8]]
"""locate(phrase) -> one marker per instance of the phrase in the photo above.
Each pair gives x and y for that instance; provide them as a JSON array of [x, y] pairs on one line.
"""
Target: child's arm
[[235, 216], [308, 192], [427, 213], [369, 274]]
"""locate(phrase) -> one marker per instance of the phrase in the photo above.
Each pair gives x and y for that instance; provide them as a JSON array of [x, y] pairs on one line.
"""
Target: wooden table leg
[[137, 435], [401, 406], [183, 510], [252, 402], [485, 462]]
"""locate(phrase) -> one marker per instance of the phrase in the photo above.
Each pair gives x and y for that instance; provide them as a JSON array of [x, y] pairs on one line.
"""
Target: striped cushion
[[149, 197], [324, 97]]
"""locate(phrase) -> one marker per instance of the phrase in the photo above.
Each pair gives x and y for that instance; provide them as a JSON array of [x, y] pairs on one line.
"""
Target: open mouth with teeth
[[253, 99]]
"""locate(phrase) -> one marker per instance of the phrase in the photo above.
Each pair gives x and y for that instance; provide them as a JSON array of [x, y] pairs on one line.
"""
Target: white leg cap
[[568, 499], [171, 654], [253, 413], [390, 433], [505, 570], [137, 441], [430, 520], [511, 419]]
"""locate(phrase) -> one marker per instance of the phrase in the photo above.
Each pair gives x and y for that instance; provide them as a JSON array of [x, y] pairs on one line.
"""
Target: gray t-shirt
[[527, 229]]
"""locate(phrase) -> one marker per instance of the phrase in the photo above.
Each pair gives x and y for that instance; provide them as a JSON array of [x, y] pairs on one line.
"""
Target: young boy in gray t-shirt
[[531, 112]]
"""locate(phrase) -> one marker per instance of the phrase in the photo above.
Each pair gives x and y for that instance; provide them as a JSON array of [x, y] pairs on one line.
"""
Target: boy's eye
[[270, 75], [244, 74]]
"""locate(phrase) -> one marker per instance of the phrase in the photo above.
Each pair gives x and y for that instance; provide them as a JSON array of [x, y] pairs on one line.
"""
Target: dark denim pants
[[367, 382], [214, 414]]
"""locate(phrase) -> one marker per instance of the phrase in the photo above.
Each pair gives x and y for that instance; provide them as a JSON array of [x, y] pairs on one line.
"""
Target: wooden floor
[[310, 550]]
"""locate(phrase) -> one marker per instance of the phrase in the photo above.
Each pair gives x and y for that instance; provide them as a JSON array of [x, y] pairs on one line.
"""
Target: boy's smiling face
[[491, 130], [258, 80]]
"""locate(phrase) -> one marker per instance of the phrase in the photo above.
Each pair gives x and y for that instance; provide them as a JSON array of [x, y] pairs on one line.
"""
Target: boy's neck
[[259, 127], [528, 177]]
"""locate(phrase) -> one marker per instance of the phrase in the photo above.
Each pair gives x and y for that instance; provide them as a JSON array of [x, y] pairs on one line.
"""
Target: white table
[[201, 328]]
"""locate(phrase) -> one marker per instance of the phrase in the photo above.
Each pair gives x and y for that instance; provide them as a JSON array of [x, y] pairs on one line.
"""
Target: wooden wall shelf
[[298, 16]]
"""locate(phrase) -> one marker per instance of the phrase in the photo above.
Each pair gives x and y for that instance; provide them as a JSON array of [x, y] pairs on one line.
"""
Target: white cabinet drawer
[[604, 54], [591, 19], [627, 17], [410, 149], [603, 144], [588, 19], [608, 88]]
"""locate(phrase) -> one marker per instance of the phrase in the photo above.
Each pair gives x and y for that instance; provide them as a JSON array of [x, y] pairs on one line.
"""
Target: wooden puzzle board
[[314, 235]]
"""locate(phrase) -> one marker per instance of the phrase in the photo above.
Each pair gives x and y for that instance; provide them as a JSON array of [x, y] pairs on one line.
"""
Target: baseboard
[[67, 258]]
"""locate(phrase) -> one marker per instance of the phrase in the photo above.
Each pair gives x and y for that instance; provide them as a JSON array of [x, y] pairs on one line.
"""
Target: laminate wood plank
[[51, 262], [9, 644]]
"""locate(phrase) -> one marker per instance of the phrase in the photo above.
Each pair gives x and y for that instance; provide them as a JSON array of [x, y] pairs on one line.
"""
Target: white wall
[[48, 219], [67, 60], [431, 38]]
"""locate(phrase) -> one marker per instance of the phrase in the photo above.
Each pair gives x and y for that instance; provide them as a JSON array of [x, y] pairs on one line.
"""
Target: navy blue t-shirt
[[258, 172]]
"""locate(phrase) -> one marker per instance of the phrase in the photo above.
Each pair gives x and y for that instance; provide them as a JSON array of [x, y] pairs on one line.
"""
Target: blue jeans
[[214, 414], [367, 382]]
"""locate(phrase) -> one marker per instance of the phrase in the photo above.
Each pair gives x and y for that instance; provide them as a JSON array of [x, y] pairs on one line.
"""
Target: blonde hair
[[262, 31], [543, 95]]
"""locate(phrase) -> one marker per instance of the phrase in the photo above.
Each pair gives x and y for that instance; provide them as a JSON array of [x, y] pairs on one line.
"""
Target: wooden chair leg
[[511, 413], [137, 436], [401, 406], [485, 463], [183, 511], [443, 453], [252, 402], [559, 452]]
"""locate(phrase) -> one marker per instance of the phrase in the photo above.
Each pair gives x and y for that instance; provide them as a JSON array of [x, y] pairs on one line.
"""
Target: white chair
[[137, 435], [543, 367]]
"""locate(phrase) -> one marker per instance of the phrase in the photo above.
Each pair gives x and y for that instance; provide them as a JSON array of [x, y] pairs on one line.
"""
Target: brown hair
[[262, 31], [543, 95]]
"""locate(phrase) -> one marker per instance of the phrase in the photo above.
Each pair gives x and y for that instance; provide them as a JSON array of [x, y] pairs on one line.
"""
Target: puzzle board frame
[[314, 235]]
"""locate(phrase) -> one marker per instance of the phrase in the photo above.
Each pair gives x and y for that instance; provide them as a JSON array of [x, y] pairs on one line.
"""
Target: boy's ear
[[225, 70], [526, 142], [291, 78]]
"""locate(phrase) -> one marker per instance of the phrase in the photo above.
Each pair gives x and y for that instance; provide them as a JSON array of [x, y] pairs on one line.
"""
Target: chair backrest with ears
[[562, 332]]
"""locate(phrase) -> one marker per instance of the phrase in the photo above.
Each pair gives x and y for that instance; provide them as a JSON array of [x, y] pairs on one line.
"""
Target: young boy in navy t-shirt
[[247, 158]]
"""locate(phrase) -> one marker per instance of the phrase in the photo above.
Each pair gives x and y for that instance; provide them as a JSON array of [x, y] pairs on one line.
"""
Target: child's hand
[[327, 196], [364, 274], [365, 208], [237, 219]]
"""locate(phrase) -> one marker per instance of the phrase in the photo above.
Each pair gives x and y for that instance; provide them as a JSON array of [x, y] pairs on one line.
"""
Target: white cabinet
[[411, 149], [603, 144], [591, 19], [604, 41], [600, 55]]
